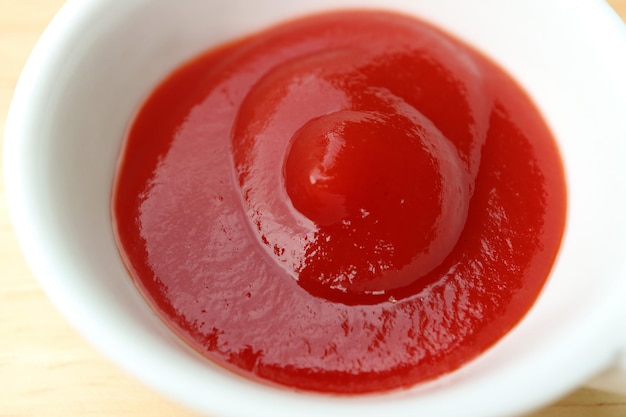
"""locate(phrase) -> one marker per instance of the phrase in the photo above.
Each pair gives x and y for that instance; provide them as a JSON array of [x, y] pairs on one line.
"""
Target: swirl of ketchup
[[383, 192]]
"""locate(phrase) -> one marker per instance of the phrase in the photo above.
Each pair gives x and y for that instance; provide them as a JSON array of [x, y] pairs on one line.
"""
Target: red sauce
[[346, 203]]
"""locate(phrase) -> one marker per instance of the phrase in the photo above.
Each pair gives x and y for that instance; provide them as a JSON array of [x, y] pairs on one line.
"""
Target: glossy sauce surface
[[346, 203]]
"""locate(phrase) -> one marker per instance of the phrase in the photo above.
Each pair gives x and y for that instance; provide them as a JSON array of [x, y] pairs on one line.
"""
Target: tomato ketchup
[[350, 202]]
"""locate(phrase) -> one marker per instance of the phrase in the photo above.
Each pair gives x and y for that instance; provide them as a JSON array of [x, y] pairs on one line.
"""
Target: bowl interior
[[97, 63]]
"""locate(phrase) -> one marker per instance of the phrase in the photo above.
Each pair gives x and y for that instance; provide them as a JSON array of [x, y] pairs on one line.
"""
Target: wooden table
[[46, 368]]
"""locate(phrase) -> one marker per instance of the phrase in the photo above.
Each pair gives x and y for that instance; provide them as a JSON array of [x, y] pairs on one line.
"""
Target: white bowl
[[96, 63]]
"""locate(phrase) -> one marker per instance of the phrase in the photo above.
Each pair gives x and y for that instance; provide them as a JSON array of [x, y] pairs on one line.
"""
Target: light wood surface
[[46, 368]]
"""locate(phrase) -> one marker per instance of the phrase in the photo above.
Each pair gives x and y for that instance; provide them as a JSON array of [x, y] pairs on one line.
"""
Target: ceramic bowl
[[96, 63]]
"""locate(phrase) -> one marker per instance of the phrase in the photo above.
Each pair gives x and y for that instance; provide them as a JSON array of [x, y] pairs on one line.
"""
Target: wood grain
[[46, 368]]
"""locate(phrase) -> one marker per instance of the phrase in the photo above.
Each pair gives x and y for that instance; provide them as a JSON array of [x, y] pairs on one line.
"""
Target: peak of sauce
[[347, 203]]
